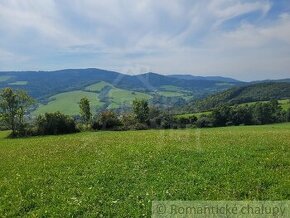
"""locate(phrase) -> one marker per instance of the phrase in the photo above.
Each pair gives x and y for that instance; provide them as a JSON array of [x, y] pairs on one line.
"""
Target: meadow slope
[[120, 173]]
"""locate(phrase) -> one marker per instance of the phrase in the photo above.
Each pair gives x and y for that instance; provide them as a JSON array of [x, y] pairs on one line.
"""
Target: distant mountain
[[42, 84], [62, 90], [263, 91], [212, 78]]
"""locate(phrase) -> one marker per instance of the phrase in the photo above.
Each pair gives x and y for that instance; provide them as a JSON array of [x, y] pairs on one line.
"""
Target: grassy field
[[193, 114], [170, 93], [171, 88], [67, 103], [121, 173], [285, 104], [174, 91], [97, 87], [121, 96]]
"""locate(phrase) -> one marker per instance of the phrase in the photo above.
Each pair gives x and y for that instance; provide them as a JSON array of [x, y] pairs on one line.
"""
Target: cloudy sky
[[243, 39]]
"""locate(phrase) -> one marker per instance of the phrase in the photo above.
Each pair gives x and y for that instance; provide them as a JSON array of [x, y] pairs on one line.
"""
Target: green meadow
[[68, 103], [170, 93], [19, 83], [111, 174], [120, 97], [285, 104], [97, 87], [4, 78]]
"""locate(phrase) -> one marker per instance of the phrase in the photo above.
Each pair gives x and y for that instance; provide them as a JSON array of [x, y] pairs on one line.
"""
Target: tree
[[13, 106], [141, 110], [241, 114], [221, 115], [266, 113], [85, 110]]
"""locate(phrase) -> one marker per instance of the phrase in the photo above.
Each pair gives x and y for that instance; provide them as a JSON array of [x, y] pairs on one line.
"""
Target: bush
[[183, 122], [204, 121], [84, 127], [140, 126], [155, 117], [54, 124], [155, 122], [167, 121], [129, 121], [3, 126], [107, 120]]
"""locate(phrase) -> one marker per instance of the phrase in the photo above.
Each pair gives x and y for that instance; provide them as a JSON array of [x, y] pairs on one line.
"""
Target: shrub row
[[256, 114]]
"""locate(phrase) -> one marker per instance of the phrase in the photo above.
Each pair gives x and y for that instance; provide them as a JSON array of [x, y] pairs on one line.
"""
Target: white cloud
[[248, 35], [164, 36], [226, 9], [41, 18]]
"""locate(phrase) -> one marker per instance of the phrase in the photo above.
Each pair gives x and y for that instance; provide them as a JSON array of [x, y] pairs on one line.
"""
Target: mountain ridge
[[46, 83]]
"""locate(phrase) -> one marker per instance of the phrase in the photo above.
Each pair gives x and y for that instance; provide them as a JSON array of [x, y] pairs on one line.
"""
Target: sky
[[243, 39]]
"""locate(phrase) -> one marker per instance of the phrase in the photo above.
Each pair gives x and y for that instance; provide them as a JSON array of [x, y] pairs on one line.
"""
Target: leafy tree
[[221, 115], [85, 110], [266, 113], [241, 115], [13, 106], [141, 110]]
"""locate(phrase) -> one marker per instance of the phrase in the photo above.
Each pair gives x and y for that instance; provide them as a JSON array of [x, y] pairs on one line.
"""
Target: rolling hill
[[41, 84], [61, 90]]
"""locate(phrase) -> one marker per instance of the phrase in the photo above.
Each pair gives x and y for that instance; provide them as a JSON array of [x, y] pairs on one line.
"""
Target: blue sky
[[243, 39]]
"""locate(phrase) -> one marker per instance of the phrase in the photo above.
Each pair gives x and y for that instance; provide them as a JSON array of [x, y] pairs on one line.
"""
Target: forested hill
[[244, 94]]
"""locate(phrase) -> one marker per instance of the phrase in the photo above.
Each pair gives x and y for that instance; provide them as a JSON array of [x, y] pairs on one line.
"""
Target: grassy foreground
[[120, 173]]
